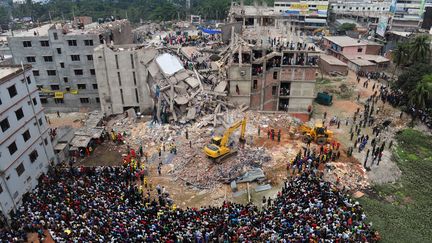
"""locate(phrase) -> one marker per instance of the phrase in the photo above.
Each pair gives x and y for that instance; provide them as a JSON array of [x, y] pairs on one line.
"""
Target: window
[[274, 75], [65, 79], [33, 156], [44, 100], [97, 100], [48, 58], [44, 43], [36, 73], [134, 78], [55, 35], [20, 169], [75, 58], [92, 72], [27, 43], [51, 72], [132, 61], [62, 64], [360, 49], [95, 86], [12, 148], [26, 135], [67, 88], [255, 84], [78, 72], [136, 95], [12, 91], [55, 87], [28, 80], [89, 57], [121, 94], [39, 87], [40, 121], [1, 189], [274, 89], [34, 101], [72, 42], [45, 141], [119, 78], [84, 100], [88, 42], [59, 51], [19, 114], [4, 124], [81, 86], [31, 59], [116, 60], [58, 100]]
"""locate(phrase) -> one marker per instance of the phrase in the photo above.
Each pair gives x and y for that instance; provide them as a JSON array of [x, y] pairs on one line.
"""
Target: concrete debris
[[239, 193], [262, 188], [352, 174], [251, 176]]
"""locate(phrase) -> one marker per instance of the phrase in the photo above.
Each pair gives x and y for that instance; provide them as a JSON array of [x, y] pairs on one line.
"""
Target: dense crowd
[[106, 205]]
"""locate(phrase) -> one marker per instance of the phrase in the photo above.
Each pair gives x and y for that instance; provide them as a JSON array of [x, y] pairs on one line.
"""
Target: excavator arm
[[231, 129]]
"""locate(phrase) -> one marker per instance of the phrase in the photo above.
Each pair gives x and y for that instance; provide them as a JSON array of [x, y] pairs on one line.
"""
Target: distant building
[[62, 60], [407, 15], [122, 79], [25, 145], [303, 15]]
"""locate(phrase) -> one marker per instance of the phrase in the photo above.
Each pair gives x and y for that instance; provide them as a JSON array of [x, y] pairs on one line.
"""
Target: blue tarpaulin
[[210, 31]]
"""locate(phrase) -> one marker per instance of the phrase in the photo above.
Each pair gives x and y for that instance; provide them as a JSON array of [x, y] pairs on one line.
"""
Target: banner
[[58, 95], [382, 25]]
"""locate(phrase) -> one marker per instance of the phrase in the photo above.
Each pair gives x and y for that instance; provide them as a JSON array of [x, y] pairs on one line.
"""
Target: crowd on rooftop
[[106, 204]]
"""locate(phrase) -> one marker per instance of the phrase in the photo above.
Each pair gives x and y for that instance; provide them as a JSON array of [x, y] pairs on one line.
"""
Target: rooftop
[[7, 72], [41, 31], [332, 60], [344, 41], [371, 58]]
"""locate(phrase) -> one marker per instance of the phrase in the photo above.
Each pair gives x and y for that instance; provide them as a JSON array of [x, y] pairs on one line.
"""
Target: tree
[[347, 27], [410, 76], [400, 56], [420, 49], [420, 95]]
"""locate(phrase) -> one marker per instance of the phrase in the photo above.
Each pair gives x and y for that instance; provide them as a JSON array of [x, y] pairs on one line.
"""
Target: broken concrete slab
[[192, 82], [251, 175], [150, 54], [168, 159], [169, 64], [220, 87], [233, 185], [261, 188], [239, 193], [191, 113], [181, 100], [182, 75]]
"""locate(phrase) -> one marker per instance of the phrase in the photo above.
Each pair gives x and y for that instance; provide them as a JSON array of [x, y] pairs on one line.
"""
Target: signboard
[[75, 91], [305, 10], [393, 6], [382, 25], [58, 95]]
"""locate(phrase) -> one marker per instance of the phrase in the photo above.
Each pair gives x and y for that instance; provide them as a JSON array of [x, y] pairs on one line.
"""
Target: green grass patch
[[323, 81], [402, 211]]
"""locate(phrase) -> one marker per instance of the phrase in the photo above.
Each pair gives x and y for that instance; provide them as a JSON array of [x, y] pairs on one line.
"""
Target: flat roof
[[362, 62], [345, 41], [42, 30], [374, 58], [332, 60], [7, 72]]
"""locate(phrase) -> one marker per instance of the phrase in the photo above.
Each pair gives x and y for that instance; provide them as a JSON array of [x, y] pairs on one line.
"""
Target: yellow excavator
[[218, 149], [318, 134]]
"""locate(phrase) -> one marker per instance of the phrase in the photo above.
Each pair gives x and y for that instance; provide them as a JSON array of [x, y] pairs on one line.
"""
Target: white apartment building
[[308, 14], [25, 145]]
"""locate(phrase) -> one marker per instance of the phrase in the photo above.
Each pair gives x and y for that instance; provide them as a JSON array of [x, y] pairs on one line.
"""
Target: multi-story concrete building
[[407, 15], [301, 14], [122, 79], [62, 60], [274, 80], [25, 144]]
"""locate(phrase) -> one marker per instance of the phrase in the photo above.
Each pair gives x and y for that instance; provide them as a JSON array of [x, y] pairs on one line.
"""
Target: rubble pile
[[351, 176], [198, 171]]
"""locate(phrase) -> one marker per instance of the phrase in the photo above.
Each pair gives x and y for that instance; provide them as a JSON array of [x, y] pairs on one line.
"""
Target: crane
[[218, 149]]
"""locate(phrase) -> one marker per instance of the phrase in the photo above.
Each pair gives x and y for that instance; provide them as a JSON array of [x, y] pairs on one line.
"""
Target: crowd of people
[[106, 205]]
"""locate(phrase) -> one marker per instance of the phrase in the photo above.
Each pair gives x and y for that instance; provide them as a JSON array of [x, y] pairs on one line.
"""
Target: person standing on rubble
[[187, 134], [279, 136], [259, 131]]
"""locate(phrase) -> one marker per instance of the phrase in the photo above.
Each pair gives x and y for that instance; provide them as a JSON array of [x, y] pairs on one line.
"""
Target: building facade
[[122, 79], [407, 15], [25, 145], [62, 60]]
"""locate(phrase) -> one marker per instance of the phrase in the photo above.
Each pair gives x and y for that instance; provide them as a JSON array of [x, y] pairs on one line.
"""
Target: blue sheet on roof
[[210, 31]]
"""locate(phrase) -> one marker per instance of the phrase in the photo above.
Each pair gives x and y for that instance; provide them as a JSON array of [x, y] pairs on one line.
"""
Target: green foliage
[[401, 55], [406, 217], [4, 16], [420, 49], [347, 27], [412, 75], [422, 93]]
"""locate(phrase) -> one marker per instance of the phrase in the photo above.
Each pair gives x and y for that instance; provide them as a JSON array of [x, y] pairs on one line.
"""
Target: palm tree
[[421, 94], [400, 56], [420, 49]]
